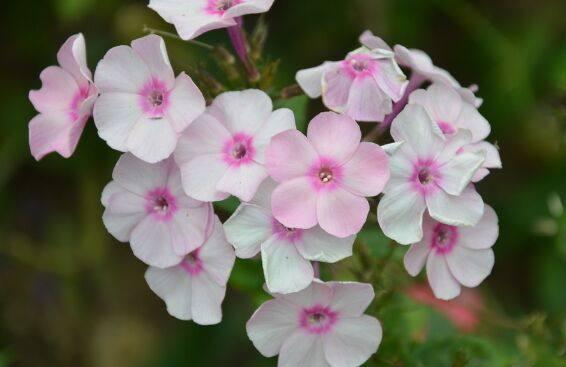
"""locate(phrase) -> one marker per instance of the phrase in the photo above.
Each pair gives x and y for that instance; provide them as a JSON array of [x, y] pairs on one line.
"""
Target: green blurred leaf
[[299, 106]]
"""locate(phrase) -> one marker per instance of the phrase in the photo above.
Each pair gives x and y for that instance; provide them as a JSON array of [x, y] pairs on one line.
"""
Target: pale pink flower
[[195, 17], [428, 172], [222, 153], [195, 288], [451, 113], [422, 66], [454, 256], [64, 102], [325, 176], [285, 252], [145, 205], [142, 107], [363, 86], [321, 326], [464, 312]]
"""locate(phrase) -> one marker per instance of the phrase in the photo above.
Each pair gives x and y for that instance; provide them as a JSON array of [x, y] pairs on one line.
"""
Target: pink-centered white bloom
[[285, 252], [64, 102], [194, 289], [222, 153], [143, 108], [428, 172], [454, 256], [451, 113], [145, 205], [195, 17], [422, 66], [326, 176], [363, 86], [321, 326]]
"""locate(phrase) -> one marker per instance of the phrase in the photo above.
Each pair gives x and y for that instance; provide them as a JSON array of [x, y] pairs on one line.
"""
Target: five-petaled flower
[[195, 17], [363, 86], [223, 152], [325, 176], [143, 108], [323, 325], [428, 171], [64, 102], [145, 205], [195, 288], [453, 255], [285, 252]]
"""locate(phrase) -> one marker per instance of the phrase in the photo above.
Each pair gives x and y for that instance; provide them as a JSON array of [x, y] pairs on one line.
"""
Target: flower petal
[[310, 80], [289, 155], [272, 324], [341, 213], [188, 229], [400, 214], [151, 243], [243, 181], [138, 176], [173, 286], [367, 172], [351, 299], [72, 58], [442, 282], [186, 103], [121, 70], [317, 245], [124, 211], [294, 203], [280, 120], [470, 267], [217, 255], [285, 270], [352, 341], [201, 176], [242, 112], [367, 102], [334, 136], [301, 349], [463, 210], [58, 88], [247, 229], [206, 301], [473, 121], [151, 49], [336, 87], [54, 132], [152, 140], [458, 172], [249, 7], [415, 258], [204, 136], [484, 234], [414, 126]]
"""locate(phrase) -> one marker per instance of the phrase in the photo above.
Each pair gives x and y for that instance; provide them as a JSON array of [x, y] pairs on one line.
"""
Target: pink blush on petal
[[192, 263], [446, 127], [239, 150], [325, 174], [317, 319], [444, 238], [76, 103], [290, 235], [425, 177], [161, 204], [219, 7], [359, 66], [154, 98]]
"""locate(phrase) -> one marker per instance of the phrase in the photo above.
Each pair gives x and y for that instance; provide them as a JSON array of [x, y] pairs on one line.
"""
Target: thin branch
[[159, 32]]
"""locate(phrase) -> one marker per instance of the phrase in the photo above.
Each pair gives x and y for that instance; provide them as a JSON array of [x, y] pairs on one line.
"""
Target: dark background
[[72, 296]]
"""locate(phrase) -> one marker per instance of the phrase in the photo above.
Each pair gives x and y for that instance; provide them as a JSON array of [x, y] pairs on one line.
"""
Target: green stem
[[159, 32]]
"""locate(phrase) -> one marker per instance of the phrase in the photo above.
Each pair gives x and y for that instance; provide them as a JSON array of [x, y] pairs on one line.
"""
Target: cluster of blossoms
[[303, 197]]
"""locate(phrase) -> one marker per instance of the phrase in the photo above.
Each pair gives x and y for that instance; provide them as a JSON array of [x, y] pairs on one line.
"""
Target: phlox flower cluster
[[304, 197]]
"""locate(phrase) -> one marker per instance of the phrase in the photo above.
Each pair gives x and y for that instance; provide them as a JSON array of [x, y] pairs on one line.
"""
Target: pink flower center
[[192, 263], [444, 238], [425, 176], [154, 99], [317, 319], [291, 235], [239, 150], [325, 174], [161, 204], [219, 7], [359, 65], [446, 127]]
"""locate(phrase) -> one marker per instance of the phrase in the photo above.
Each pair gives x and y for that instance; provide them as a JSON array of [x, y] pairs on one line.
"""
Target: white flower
[[321, 326], [454, 256], [143, 108], [145, 205], [194, 289], [286, 252], [427, 172]]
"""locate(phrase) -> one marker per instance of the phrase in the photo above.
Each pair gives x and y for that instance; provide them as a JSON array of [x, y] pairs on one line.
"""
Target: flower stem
[[238, 39], [414, 83], [316, 268], [159, 32]]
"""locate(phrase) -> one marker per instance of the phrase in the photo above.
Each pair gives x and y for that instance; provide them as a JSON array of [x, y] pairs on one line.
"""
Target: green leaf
[[299, 107]]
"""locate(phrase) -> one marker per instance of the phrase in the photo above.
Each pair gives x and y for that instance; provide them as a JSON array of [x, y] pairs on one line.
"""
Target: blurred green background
[[70, 295]]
